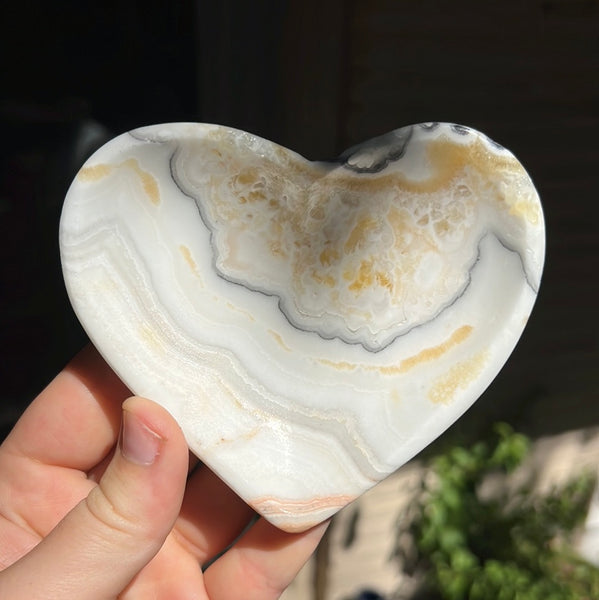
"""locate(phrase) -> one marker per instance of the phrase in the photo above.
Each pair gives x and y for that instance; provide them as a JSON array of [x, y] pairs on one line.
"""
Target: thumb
[[97, 549]]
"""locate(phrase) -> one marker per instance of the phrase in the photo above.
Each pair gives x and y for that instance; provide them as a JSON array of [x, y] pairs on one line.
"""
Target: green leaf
[[507, 547]]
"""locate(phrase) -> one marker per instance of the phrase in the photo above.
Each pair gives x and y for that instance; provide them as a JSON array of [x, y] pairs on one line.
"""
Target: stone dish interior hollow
[[311, 326]]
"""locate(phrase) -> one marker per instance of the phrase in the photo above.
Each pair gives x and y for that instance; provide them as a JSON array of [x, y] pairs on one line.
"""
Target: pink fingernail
[[139, 444]]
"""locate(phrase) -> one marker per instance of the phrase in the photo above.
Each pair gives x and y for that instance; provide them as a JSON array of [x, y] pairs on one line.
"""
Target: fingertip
[[139, 443], [155, 455], [155, 416]]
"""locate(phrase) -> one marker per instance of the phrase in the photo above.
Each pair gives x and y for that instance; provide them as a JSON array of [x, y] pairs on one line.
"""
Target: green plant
[[506, 545]]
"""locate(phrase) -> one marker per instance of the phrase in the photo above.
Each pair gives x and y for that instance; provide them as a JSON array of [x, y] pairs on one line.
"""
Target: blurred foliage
[[503, 544]]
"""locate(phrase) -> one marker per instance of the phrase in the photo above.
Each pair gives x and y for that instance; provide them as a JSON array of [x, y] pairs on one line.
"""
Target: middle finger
[[212, 515]]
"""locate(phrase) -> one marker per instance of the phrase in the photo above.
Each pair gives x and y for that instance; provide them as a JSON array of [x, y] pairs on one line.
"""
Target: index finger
[[75, 420]]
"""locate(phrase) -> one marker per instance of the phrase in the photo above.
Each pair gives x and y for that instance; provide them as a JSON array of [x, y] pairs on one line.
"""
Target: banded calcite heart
[[311, 326]]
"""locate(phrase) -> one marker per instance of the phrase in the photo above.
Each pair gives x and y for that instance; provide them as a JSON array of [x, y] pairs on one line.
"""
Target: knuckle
[[113, 516]]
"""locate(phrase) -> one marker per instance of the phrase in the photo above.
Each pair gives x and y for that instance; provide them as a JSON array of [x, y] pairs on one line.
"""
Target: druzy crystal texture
[[310, 325]]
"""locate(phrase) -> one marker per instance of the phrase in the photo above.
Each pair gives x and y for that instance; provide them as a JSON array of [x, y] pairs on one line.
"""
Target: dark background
[[316, 77]]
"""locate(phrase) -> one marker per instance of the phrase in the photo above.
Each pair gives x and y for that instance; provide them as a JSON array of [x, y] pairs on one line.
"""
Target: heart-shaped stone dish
[[311, 326]]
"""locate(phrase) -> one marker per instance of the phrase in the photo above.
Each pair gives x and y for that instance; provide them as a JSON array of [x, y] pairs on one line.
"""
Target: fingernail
[[139, 444]]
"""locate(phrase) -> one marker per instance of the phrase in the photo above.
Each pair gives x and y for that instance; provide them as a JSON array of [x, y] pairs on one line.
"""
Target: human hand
[[88, 514]]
